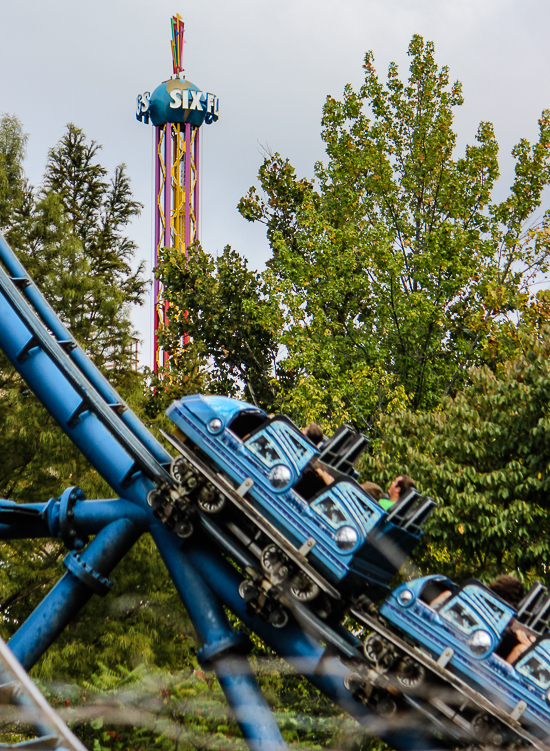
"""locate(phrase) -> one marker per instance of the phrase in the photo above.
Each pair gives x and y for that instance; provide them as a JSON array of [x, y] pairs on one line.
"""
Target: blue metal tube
[[70, 593], [86, 366], [90, 517], [97, 444], [18, 521], [220, 645]]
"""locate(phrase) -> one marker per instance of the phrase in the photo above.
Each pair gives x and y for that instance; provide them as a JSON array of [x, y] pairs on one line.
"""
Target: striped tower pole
[[177, 109]]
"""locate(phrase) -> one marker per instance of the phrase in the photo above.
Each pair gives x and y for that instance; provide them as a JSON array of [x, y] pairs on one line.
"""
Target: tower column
[[177, 108]]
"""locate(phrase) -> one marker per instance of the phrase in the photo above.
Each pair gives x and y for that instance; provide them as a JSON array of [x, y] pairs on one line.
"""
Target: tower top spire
[[178, 28]]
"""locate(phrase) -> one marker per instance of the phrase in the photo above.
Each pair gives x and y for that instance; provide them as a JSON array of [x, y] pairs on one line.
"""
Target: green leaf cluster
[[485, 456]]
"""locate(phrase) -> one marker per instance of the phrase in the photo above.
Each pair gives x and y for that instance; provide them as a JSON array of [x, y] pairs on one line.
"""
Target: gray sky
[[272, 63]]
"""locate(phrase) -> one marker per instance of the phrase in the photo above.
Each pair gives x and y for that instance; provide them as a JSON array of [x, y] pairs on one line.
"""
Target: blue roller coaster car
[[345, 534], [476, 631]]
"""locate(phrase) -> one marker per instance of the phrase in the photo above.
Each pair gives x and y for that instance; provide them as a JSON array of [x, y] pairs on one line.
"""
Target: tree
[[96, 213], [13, 143], [224, 323], [485, 456], [393, 271]]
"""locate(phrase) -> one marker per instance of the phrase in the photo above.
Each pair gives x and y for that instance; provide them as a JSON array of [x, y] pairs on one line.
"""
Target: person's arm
[[324, 475], [524, 642], [440, 599]]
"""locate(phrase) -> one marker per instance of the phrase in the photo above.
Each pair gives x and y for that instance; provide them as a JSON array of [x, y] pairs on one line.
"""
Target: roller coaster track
[[134, 463]]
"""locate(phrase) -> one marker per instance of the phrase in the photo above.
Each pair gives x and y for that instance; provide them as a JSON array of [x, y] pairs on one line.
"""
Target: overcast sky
[[272, 63]]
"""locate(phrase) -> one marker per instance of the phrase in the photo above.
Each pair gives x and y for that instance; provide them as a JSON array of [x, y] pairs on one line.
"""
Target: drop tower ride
[[177, 109]]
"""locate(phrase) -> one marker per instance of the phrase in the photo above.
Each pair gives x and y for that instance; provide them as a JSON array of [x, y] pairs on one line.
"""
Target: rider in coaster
[[398, 488], [374, 490], [314, 433]]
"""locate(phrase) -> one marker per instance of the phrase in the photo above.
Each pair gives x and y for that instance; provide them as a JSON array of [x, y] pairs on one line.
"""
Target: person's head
[[314, 433], [508, 588], [374, 490], [400, 486]]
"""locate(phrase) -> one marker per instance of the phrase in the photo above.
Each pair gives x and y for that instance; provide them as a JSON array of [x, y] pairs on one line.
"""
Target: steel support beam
[[222, 647], [86, 577]]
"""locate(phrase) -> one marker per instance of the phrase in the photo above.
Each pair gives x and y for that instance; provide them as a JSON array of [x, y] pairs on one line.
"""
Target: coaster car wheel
[[302, 588], [386, 707], [410, 674], [156, 499], [354, 683], [180, 469], [210, 500], [275, 563], [278, 618], [183, 528], [489, 730], [248, 590], [379, 652]]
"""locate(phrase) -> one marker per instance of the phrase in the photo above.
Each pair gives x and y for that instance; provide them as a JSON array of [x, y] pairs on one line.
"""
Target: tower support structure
[[176, 211], [177, 109]]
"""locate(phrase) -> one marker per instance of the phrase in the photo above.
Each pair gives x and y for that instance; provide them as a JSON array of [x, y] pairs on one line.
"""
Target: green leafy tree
[[485, 455], [101, 261], [224, 323], [394, 270]]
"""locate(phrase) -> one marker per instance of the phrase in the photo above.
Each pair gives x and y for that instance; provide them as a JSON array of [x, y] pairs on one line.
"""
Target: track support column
[[222, 647], [86, 576]]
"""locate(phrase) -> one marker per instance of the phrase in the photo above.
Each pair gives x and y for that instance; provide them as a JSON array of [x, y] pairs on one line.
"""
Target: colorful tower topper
[[177, 109], [178, 28]]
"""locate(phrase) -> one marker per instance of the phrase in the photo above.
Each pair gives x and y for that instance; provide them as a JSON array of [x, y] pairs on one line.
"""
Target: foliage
[[485, 455], [218, 305], [147, 708], [93, 283], [13, 143], [392, 272]]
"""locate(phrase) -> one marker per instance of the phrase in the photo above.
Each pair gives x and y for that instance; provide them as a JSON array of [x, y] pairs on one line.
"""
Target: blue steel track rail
[[133, 462]]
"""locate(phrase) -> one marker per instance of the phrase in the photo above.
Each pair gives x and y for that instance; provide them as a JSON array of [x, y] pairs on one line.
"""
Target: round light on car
[[405, 597], [346, 538], [279, 476], [480, 642], [215, 425]]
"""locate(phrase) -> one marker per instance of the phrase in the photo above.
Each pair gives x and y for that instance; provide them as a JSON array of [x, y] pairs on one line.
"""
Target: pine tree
[[13, 142]]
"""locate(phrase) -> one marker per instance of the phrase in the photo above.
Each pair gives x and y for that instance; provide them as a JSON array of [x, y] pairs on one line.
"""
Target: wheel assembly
[[410, 674], [302, 588], [180, 469], [156, 499], [184, 528], [278, 618], [379, 652], [275, 563], [488, 729], [210, 500]]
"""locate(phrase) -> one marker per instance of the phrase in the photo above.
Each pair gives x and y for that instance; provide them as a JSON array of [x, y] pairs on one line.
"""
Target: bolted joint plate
[[236, 644], [69, 534], [86, 574]]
